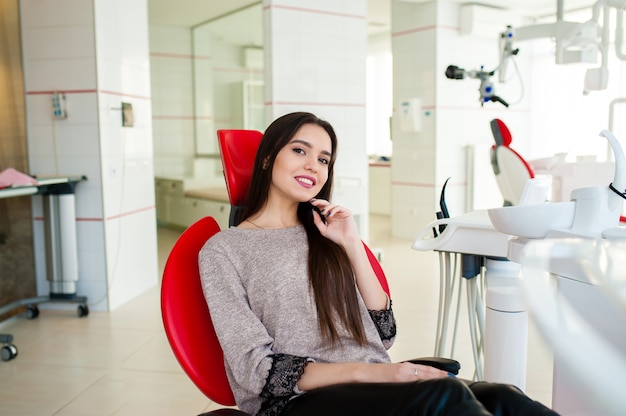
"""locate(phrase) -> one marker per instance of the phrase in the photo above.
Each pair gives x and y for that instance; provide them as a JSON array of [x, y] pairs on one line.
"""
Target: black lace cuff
[[284, 375], [280, 386], [385, 323]]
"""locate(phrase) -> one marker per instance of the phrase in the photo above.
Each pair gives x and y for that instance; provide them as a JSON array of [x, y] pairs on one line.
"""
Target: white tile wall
[[97, 64], [59, 42], [56, 13]]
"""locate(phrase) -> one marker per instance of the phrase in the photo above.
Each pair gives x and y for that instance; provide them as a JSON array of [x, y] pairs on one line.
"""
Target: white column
[[315, 61], [96, 54]]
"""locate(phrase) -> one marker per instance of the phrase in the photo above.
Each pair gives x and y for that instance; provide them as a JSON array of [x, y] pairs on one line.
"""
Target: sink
[[533, 221]]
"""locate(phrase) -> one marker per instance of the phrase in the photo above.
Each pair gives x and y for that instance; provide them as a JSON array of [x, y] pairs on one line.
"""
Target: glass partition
[[228, 76]]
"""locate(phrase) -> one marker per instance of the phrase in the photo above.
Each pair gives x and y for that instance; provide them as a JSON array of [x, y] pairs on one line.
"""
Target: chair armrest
[[225, 412], [445, 364]]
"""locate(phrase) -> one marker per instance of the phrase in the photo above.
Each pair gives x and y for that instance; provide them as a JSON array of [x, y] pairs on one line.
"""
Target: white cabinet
[[167, 193], [175, 208], [195, 208]]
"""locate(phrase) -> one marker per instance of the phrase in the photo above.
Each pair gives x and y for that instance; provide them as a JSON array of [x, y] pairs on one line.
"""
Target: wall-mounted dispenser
[[410, 115]]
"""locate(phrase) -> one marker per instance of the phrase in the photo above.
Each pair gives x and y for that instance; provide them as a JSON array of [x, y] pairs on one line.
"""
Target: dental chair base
[[506, 329]]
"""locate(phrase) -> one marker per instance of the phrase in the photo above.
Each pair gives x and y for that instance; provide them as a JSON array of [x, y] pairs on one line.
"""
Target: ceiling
[[194, 12]]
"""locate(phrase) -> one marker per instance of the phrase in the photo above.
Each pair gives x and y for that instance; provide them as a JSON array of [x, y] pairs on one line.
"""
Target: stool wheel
[[8, 352], [32, 312], [83, 310]]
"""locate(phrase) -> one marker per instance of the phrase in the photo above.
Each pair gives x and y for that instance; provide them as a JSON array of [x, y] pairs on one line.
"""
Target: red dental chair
[[511, 170], [185, 314]]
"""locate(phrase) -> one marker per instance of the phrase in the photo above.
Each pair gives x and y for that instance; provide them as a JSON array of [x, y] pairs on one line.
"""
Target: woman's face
[[301, 167]]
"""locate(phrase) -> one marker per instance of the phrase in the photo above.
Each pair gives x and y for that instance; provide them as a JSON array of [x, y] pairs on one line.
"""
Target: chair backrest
[[237, 150], [512, 171], [186, 316]]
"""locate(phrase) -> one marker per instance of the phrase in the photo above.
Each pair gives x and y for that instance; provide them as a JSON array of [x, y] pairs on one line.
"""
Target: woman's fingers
[[414, 372], [424, 372], [328, 209]]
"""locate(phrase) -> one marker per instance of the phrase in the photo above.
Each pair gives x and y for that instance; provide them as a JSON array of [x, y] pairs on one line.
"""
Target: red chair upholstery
[[186, 316], [511, 170], [238, 150]]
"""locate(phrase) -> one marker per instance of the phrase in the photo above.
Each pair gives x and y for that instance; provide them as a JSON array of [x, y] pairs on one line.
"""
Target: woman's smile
[[306, 181]]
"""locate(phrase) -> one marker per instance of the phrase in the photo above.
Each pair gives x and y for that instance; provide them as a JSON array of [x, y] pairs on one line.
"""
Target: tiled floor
[[119, 363]]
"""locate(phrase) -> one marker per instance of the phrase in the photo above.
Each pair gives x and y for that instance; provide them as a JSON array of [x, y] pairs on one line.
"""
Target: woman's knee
[[507, 399], [444, 396]]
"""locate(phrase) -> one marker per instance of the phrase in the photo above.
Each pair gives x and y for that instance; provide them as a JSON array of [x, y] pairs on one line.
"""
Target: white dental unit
[[592, 215]]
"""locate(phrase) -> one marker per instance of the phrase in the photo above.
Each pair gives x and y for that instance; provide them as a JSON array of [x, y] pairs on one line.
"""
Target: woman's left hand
[[338, 224]]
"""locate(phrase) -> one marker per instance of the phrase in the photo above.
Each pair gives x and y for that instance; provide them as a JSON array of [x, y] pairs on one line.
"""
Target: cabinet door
[[220, 211], [178, 210], [162, 208]]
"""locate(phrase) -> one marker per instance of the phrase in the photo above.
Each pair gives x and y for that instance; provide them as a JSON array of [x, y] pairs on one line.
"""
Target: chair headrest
[[238, 150], [501, 133]]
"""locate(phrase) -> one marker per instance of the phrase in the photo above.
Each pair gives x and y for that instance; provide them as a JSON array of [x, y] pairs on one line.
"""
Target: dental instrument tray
[[471, 233]]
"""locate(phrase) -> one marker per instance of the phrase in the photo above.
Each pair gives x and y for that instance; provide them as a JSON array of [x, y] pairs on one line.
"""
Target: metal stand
[[61, 252]]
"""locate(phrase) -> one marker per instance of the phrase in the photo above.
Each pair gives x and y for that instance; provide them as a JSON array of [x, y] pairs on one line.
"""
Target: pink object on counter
[[11, 177]]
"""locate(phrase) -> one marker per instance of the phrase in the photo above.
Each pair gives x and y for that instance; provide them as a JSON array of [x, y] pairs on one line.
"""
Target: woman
[[299, 312]]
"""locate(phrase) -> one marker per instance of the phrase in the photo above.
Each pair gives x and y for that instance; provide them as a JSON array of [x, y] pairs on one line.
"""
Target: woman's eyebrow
[[307, 144]]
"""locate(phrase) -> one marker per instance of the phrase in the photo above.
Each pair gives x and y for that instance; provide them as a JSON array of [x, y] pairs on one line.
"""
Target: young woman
[[299, 312]]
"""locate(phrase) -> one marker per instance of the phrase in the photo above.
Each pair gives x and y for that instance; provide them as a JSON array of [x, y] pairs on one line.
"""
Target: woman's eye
[[299, 151], [323, 161]]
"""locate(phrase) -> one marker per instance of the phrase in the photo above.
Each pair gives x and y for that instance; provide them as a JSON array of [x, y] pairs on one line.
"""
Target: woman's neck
[[274, 217]]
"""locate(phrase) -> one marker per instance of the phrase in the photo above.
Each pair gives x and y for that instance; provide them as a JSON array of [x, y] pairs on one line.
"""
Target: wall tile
[[37, 13], [59, 42], [60, 74]]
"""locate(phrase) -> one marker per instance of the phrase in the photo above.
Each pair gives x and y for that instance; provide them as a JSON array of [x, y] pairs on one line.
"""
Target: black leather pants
[[447, 396]]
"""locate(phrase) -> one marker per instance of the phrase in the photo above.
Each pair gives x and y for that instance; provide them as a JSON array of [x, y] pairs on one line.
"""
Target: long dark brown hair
[[331, 275]]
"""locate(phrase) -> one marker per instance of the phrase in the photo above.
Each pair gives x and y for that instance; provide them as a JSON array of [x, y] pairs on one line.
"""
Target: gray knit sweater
[[256, 285]]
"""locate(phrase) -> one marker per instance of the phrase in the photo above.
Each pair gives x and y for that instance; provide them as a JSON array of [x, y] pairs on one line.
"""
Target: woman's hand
[[324, 374], [410, 372], [338, 224]]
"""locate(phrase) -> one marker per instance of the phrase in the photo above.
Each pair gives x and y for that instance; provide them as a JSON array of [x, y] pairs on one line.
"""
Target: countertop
[[213, 194]]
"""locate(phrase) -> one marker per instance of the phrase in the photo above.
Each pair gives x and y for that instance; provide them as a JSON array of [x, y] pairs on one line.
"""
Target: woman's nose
[[311, 165]]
